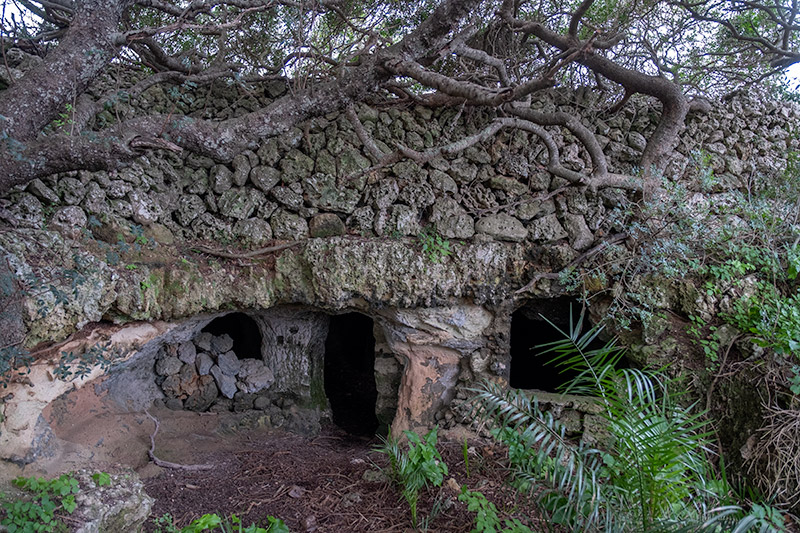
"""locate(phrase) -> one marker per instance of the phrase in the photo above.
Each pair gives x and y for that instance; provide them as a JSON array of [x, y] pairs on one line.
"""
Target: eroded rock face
[[121, 505]]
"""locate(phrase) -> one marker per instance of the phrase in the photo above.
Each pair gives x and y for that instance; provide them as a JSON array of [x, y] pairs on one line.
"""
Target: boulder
[[547, 228], [580, 236], [204, 396], [221, 344], [69, 221], [203, 341], [502, 227], [326, 225], [288, 226], [168, 366], [229, 363], [226, 383], [204, 362], [121, 505], [254, 376], [187, 352]]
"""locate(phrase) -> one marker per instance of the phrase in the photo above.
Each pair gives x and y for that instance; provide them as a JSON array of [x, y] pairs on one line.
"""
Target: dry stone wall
[[316, 181], [136, 237]]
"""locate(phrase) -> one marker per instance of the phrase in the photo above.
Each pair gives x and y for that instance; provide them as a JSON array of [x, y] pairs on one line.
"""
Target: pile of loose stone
[[205, 374]]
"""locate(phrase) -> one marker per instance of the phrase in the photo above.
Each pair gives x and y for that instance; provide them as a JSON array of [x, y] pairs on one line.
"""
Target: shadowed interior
[[242, 329], [350, 373]]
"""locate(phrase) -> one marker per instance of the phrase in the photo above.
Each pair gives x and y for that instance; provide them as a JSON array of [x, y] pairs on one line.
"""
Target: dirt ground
[[330, 482]]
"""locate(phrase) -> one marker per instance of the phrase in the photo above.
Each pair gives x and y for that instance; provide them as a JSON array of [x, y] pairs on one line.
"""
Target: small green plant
[[213, 522], [487, 519], [413, 470], [101, 479], [794, 381], [65, 118], [40, 512], [131, 267], [434, 246], [707, 338]]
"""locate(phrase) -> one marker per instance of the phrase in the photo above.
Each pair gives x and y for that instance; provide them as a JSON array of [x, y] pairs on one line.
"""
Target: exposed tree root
[[245, 255], [167, 464]]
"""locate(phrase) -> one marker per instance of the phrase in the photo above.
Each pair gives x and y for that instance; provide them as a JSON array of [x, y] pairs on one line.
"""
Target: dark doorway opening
[[529, 368], [350, 373], [242, 329]]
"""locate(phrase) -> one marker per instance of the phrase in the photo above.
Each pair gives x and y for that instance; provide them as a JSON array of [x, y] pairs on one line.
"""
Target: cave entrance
[[242, 329], [529, 368], [350, 373]]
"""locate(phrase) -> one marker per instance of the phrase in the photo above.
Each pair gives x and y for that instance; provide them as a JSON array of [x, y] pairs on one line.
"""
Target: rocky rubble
[[204, 373]]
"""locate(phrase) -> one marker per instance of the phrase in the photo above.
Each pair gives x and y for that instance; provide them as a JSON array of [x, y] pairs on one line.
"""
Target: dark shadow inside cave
[[242, 329], [529, 367], [350, 373]]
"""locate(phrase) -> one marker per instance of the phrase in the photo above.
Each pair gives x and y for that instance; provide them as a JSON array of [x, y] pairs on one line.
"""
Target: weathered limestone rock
[[288, 226], [326, 225], [203, 341], [22, 441], [503, 227], [26, 211], [296, 166], [122, 505], [255, 376], [204, 395], [221, 344], [324, 193], [265, 178], [286, 197], [403, 220], [237, 203], [69, 221], [547, 229], [168, 366], [204, 362], [451, 220], [187, 352], [42, 192], [189, 208], [253, 231], [580, 236], [508, 185]]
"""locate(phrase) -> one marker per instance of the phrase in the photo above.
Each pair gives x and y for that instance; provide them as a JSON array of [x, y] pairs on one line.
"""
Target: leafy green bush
[[652, 476], [419, 466], [39, 513]]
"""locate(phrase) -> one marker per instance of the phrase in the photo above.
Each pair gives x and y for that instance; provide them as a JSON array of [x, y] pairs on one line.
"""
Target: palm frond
[[570, 470], [654, 474]]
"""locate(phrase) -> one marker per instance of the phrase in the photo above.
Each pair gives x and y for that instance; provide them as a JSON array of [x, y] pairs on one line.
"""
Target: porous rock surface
[[133, 260]]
